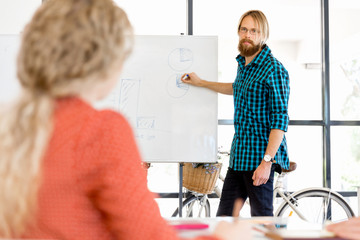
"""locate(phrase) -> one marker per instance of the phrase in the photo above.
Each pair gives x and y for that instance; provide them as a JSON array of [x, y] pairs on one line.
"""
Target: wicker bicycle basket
[[198, 180]]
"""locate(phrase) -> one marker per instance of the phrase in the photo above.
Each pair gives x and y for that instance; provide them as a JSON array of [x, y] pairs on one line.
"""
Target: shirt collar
[[258, 60]]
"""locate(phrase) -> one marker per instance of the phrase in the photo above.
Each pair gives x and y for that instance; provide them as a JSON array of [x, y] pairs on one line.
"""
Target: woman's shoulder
[[112, 121], [78, 115], [78, 109]]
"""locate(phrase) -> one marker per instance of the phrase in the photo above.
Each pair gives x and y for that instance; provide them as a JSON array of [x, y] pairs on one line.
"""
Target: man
[[261, 93]]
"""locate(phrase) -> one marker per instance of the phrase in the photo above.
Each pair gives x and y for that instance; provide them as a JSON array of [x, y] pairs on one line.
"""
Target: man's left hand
[[262, 173]]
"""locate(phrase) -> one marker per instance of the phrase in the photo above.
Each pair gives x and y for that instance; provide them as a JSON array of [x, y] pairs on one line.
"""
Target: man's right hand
[[219, 87], [192, 78]]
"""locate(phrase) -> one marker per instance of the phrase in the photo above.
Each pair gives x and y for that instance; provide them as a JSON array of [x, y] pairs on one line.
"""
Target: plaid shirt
[[261, 93]]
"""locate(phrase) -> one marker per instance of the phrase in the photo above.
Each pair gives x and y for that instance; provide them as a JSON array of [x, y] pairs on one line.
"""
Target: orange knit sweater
[[93, 186]]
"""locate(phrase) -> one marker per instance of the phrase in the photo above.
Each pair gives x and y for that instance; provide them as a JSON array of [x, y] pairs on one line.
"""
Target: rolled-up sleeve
[[279, 98]]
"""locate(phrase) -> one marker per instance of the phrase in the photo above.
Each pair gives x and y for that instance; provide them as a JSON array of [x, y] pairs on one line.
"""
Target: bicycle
[[200, 179], [314, 204]]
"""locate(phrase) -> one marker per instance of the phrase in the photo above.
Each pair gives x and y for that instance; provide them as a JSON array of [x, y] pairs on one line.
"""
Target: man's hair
[[260, 19]]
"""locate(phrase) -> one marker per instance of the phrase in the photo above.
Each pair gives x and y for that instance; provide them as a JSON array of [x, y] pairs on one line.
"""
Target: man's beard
[[247, 50]]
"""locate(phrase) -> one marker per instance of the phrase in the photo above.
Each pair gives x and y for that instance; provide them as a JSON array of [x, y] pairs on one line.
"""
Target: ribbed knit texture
[[93, 185]]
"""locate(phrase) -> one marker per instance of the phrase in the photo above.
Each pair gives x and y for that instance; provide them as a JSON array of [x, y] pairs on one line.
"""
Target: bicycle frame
[[202, 201], [279, 189], [287, 199]]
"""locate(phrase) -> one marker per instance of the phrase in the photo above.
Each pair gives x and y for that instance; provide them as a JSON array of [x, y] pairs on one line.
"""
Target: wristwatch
[[268, 158]]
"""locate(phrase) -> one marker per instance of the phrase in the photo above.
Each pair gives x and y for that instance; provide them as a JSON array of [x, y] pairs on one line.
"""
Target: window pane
[[294, 40], [225, 106], [305, 148], [157, 174], [225, 136], [156, 17], [345, 59], [345, 158]]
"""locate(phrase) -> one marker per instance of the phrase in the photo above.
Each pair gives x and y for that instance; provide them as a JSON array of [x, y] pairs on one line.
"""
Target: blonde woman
[[67, 170]]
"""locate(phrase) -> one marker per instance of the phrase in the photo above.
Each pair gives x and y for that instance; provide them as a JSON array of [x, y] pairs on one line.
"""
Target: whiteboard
[[173, 121]]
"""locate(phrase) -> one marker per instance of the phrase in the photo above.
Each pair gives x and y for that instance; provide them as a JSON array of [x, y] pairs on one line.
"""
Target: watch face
[[267, 158]]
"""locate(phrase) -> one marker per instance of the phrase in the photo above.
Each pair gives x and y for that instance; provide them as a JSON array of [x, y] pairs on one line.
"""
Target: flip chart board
[[172, 121]]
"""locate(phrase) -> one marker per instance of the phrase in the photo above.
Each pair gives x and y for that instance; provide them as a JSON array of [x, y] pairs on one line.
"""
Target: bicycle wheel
[[317, 205], [194, 206]]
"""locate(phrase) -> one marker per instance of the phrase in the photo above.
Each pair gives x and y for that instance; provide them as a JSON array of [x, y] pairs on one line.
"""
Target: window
[[345, 60], [345, 94], [156, 17]]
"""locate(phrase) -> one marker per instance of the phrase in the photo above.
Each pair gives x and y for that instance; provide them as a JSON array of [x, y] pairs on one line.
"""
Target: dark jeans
[[239, 184]]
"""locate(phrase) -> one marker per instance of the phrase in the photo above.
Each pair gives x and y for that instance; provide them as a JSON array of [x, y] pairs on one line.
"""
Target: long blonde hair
[[69, 45]]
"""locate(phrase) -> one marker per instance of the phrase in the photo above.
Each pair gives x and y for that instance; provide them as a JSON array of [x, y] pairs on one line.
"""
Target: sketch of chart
[[180, 59]]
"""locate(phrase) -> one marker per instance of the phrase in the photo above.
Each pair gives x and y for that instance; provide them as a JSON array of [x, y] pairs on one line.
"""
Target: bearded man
[[261, 93]]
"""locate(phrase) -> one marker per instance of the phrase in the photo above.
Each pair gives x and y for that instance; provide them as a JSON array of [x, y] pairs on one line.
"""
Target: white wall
[[14, 14]]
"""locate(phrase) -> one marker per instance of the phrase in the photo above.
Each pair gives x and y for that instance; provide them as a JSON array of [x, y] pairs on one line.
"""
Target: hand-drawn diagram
[[175, 87], [129, 98], [129, 105], [145, 123], [180, 59]]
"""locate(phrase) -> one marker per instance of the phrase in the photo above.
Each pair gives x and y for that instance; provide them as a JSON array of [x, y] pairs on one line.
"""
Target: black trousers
[[239, 184]]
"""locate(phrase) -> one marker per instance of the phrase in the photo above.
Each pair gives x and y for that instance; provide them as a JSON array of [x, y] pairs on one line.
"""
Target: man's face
[[249, 37]]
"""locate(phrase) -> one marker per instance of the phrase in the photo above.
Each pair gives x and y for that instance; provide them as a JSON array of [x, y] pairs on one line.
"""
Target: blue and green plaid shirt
[[261, 93]]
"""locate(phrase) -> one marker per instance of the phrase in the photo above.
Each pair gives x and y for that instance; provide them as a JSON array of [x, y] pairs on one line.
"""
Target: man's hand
[[262, 173], [191, 78]]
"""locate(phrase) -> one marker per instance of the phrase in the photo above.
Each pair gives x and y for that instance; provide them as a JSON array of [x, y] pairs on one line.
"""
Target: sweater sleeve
[[126, 204]]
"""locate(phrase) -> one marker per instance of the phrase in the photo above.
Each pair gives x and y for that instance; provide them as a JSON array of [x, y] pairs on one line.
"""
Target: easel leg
[[180, 188]]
